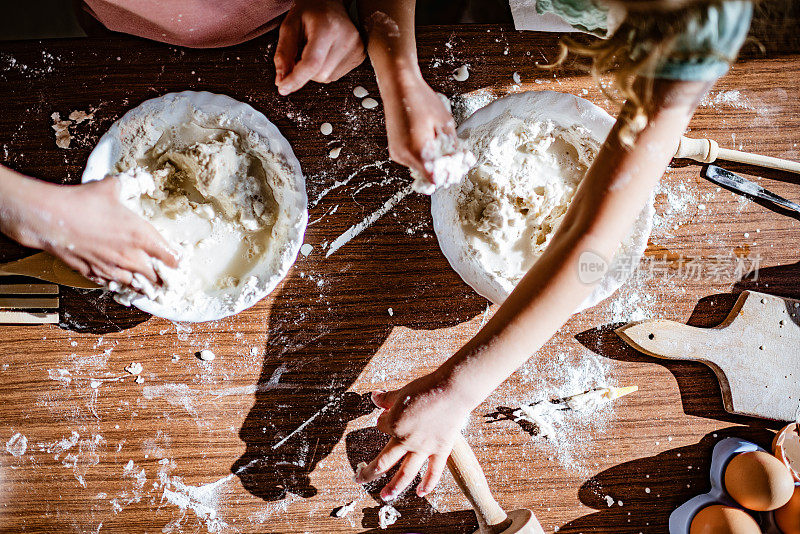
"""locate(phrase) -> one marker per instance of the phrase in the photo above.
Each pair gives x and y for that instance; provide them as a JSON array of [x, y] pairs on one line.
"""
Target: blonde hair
[[646, 37]]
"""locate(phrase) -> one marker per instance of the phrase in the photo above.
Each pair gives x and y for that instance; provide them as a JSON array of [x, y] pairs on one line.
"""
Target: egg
[[786, 447], [719, 519], [787, 517], [758, 481]]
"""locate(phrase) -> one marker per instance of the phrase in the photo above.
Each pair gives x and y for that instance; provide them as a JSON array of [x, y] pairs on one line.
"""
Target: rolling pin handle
[[702, 150], [469, 476]]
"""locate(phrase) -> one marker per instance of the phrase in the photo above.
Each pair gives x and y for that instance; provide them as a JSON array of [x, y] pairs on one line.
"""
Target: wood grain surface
[[265, 437]]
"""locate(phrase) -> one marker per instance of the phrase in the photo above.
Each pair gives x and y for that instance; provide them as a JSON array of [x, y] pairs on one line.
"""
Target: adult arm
[[84, 225]]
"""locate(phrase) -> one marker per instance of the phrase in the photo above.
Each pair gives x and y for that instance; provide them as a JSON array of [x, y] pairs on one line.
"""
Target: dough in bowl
[[532, 149], [227, 198]]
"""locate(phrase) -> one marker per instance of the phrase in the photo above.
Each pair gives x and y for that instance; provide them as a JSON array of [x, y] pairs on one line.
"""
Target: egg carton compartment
[[680, 520]]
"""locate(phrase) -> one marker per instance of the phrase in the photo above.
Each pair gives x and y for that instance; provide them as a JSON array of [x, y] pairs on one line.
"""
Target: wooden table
[[265, 437]]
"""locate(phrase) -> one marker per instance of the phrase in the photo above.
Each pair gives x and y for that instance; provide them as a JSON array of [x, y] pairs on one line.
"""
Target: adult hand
[[330, 43], [89, 229], [424, 419]]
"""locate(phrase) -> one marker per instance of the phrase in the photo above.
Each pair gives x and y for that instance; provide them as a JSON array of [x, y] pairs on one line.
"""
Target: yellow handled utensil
[[48, 268]]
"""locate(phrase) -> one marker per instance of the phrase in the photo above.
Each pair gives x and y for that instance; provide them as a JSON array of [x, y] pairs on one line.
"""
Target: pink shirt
[[193, 23]]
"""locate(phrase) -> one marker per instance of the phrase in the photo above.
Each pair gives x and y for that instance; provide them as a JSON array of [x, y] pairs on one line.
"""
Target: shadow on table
[[699, 388], [672, 478], [328, 321]]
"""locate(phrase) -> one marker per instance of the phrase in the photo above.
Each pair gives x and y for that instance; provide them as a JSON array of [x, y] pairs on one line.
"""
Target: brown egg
[[719, 519], [758, 481], [788, 516], [786, 447]]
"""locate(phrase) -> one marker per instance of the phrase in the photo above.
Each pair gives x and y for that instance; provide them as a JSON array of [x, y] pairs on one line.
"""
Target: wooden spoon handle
[[48, 268], [469, 476], [708, 151]]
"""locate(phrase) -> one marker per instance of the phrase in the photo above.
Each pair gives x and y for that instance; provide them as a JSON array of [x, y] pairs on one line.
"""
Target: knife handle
[[708, 151]]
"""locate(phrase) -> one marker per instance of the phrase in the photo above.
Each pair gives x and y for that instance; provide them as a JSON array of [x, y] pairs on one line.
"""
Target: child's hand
[[415, 114], [423, 419], [331, 45], [88, 228]]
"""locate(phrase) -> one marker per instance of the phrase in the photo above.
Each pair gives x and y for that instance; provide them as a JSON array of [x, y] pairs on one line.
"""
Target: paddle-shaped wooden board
[[755, 353]]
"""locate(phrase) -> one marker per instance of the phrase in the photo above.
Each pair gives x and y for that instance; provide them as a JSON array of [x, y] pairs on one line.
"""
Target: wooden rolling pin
[[492, 519], [708, 151]]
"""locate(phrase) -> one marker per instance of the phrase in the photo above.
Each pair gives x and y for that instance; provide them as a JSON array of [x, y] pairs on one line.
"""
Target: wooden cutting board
[[755, 353]]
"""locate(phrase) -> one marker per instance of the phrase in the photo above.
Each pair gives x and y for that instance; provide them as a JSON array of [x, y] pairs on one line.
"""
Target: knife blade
[[729, 180]]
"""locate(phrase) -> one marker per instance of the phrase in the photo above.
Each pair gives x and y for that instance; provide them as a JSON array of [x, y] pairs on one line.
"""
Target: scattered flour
[[17, 445], [545, 413], [357, 228], [732, 99]]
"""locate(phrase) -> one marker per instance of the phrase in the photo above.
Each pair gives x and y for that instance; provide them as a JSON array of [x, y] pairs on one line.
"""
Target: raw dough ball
[[461, 74], [369, 103], [360, 92], [206, 355]]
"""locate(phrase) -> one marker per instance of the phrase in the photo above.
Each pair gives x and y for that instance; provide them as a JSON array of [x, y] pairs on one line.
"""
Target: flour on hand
[[446, 159]]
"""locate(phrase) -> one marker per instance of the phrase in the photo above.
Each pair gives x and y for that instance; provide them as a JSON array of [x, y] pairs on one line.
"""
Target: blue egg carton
[[681, 519]]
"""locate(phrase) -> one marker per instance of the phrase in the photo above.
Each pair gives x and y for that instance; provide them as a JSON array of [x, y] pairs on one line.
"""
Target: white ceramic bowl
[[565, 110], [177, 108]]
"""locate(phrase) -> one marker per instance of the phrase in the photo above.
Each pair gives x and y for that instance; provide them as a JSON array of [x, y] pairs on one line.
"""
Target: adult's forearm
[[18, 195]]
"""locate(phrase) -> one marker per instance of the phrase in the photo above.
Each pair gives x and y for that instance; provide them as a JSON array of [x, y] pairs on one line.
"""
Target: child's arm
[[85, 226], [330, 43], [414, 112], [424, 416]]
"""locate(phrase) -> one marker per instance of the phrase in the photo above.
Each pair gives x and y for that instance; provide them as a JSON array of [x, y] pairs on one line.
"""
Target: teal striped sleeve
[[710, 43]]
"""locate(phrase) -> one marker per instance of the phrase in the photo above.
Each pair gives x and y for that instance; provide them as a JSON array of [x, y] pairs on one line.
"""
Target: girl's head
[[654, 5], [645, 38]]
